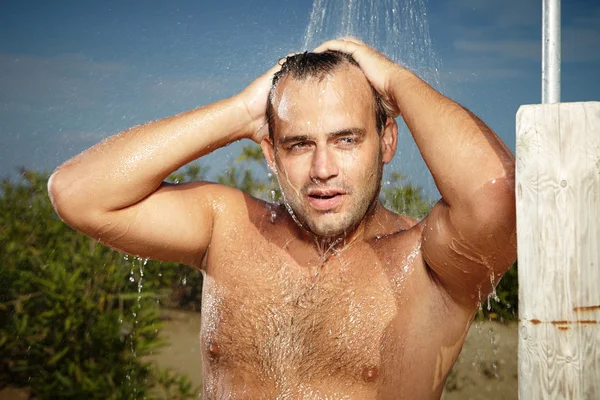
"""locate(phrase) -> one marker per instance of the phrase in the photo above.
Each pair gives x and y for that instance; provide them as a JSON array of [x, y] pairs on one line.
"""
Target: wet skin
[[279, 321]]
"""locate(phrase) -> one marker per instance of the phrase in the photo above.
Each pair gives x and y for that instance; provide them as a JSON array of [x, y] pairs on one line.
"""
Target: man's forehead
[[340, 100]]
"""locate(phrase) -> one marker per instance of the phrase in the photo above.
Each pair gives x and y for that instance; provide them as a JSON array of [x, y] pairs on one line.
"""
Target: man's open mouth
[[325, 199], [323, 196]]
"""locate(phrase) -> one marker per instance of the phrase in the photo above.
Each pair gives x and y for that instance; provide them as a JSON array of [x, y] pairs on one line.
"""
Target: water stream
[[398, 28]]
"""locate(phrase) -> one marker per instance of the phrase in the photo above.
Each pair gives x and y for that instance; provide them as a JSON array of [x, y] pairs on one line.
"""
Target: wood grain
[[558, 228]]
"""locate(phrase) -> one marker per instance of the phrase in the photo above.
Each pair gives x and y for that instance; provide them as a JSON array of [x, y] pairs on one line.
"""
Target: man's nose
[[324, 165]]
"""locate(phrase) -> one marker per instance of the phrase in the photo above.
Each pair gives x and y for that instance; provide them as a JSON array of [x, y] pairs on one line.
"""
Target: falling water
[[398, 28]]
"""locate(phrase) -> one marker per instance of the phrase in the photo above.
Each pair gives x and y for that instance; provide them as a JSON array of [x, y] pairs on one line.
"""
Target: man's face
[[326, 151]]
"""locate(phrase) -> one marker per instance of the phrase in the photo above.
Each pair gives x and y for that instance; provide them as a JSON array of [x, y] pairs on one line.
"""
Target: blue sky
[[74, 72]]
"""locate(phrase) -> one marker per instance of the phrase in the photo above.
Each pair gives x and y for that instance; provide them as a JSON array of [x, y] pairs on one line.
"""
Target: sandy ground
[[485, 370]]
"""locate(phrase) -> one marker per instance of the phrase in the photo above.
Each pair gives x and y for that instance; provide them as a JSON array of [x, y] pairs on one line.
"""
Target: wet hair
[[317, 66]]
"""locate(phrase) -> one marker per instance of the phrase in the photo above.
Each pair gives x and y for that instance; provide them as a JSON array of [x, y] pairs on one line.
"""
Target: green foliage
[[173, 386], [405, 199], [75, 320], [244, 176]]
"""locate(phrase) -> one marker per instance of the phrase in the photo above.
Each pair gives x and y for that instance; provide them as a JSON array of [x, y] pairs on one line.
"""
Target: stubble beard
[[343, 225]]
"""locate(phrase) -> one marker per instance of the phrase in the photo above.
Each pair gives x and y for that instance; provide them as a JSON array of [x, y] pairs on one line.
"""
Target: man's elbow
[[68, 205], [54, 189]]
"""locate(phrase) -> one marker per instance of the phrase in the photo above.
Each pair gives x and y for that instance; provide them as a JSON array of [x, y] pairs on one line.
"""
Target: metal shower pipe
[[551, 56]]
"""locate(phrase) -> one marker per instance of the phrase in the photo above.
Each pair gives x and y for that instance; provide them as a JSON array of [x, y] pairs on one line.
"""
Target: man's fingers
[[274, 69], [353, 40], [345, 46]]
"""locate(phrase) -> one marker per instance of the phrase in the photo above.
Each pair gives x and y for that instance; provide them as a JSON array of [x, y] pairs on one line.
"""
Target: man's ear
[[269, 151], [389, 140]]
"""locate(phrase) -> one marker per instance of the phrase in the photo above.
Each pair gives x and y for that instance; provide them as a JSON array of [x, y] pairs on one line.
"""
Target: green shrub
[[405, 199], [76, 317]]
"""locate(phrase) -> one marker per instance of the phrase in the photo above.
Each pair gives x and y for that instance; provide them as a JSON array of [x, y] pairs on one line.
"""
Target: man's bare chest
[[266, 312]]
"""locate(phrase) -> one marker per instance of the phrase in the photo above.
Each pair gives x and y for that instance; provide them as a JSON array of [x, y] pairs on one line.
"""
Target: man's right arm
[[114, 192]]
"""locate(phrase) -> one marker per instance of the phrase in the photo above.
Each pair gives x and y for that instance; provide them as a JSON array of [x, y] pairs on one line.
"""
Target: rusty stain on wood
[[588, 308], [579, 321], [563, 328]]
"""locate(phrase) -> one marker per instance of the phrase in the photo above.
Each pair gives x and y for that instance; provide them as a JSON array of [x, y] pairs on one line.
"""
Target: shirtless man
[[332, 296]]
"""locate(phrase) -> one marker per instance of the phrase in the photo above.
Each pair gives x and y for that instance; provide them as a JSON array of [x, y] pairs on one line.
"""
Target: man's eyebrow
[[360, 132], [294, 138]]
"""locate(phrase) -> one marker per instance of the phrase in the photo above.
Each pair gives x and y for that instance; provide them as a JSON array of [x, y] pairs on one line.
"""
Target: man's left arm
[[469, 238]]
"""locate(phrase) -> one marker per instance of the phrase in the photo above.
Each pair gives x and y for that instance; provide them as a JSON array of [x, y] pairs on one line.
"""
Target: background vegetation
[[77, 318]]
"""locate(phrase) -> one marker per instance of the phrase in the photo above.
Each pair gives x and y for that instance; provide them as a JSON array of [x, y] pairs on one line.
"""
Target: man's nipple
[[370, 374], [214, 352]]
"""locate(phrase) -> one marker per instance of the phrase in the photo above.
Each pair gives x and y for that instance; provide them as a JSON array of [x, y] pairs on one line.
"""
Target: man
[[331, 296]]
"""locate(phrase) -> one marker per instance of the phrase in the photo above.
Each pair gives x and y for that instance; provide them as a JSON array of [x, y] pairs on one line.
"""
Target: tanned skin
[[334, 297]]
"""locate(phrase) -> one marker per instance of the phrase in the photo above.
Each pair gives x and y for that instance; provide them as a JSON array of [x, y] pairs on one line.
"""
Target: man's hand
[[254, 99], [379, 70]]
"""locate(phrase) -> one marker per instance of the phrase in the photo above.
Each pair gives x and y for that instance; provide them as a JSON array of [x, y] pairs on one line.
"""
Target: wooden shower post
[[558, 229]]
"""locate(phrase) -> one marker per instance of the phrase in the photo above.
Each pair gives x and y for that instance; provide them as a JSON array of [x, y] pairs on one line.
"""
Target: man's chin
[[330, 230], [324, 225]]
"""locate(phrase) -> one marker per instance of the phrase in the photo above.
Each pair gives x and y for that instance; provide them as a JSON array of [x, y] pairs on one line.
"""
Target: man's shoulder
[[240, 210]]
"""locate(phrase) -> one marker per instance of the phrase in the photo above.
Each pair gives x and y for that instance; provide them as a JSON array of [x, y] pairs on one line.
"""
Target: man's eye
[[347, 140], [299, 146]]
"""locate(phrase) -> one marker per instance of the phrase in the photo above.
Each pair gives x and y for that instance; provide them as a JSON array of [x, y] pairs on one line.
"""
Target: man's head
[[329, 138], [317, 66]]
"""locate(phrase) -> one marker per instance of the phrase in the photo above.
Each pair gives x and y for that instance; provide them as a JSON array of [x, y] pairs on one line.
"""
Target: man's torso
[[278, 321]]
